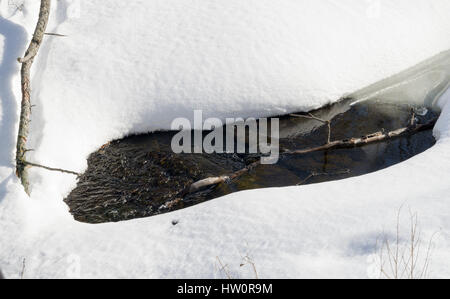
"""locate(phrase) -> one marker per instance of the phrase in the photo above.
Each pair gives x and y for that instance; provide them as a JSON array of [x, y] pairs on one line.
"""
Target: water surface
[[140, 176]]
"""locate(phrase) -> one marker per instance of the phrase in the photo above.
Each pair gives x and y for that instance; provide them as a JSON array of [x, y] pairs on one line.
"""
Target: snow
[[132, 67]]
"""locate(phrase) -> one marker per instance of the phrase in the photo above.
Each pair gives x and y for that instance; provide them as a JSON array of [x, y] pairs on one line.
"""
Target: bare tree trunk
[[25, 115]]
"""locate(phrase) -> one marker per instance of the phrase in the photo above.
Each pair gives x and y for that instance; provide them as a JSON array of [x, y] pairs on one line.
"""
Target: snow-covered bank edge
[[325, 230], [329, 230]]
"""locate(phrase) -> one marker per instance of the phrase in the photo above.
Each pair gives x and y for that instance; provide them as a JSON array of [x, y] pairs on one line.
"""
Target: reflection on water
[[421, 85]]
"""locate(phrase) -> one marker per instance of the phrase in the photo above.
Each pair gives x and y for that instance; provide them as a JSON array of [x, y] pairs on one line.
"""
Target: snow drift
[[132, 67]]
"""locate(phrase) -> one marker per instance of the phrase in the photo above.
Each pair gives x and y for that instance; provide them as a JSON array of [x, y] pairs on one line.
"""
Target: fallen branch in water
[[371, 138], [411, 129], [214, 181], [200, 185], [25, 114]]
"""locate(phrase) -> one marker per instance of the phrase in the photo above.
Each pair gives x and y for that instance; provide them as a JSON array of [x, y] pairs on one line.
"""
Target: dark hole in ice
[[140, 176]]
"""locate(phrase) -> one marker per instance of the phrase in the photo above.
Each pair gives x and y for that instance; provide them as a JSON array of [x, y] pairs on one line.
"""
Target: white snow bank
[[134, 66]]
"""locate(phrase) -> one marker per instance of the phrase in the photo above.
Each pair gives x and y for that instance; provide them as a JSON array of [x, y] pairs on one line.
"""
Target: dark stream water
[[140, 176]]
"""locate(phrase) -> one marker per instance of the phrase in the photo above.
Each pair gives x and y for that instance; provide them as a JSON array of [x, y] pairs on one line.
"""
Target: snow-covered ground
[[133, 66]]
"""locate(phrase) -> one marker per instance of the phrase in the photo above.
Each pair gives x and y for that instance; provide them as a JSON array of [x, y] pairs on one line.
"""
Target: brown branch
[[223, 268], [25, 115], [203, 184], [371, 138], [412, 128], [55, 34], [214, 181], [51, 168], [39, 32], [22, 273], [31, 54]]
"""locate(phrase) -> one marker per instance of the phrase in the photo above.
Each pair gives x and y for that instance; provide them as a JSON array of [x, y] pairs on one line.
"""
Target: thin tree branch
[[25, 114], [52, 169], [223, 268], [22, 273], [371, 138], [412, 128], [55, 34]]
